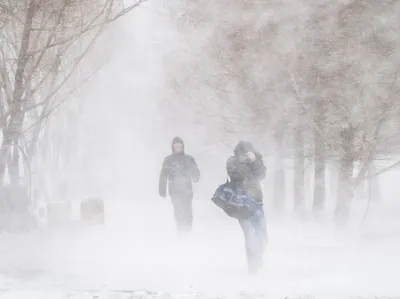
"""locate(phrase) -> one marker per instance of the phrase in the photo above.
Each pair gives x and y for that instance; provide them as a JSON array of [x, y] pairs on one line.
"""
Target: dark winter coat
[[245, 177], [179, 170]]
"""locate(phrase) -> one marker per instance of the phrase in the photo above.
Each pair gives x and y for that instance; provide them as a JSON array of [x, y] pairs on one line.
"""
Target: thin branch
[[11, 13], [91, 26], [49, 40], [44, 116], [61, 84], [372, 151]]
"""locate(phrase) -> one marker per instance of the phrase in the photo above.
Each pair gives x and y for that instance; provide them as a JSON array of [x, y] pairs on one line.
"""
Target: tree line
[[319, 81]]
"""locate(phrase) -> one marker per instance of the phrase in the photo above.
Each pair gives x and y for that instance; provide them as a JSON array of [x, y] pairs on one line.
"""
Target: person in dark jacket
[[178, 171], [246, 169]]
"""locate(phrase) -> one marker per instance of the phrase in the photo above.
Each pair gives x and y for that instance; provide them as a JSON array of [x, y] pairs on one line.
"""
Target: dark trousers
[[183, 213], [255, 234]]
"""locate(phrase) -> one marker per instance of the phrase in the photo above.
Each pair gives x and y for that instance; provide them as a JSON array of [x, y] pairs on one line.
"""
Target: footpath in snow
[[137, 255]]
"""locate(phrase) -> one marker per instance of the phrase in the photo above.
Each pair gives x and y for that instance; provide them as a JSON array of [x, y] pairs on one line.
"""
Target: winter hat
[[243, 147], [178, 140]]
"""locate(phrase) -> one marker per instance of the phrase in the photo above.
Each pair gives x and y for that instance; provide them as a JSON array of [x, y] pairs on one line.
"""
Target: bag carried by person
[[236, 206]]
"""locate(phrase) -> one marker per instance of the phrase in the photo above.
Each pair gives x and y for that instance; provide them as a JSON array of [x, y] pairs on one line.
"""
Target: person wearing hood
[[246, 170], [178, 171]]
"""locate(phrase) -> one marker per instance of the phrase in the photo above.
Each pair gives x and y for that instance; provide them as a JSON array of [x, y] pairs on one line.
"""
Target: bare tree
[[43, 43], [324, 91]]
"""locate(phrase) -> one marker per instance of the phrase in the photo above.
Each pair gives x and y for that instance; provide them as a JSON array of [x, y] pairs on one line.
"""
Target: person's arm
[[235, 172], [164, 173], [258, 169], [194, 170]]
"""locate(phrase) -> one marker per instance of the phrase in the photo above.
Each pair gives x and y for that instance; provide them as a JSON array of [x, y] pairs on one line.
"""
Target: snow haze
[[157, 77]]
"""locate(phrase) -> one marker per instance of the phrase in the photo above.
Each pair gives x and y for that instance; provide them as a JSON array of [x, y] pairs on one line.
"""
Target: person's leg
[[183, 213], [260, 226], [260, 229], [188, 214], [250, 244], [178, 212]]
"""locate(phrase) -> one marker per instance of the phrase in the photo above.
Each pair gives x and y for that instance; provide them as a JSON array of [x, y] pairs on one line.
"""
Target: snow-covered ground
[[137, 255]]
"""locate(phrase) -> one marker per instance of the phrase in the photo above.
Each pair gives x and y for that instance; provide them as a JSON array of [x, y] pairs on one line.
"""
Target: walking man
[[178, 171]]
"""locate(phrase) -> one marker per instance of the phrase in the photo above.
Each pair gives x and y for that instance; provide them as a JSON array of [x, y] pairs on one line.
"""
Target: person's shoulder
[[231, 159], [168, 158], [189, 157], [258, 155]]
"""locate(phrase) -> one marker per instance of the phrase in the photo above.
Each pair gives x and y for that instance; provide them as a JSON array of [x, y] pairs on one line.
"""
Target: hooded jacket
[[246, 176], [178, 171]]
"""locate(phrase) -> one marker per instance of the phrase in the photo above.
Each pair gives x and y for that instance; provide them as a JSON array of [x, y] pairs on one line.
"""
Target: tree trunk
[[319, 174], [299, 204], [13, 166], [279, 174], [346, 186], [4, 152], [319, 159], [17, 114], [11, 133], [29, 163], [374, 187]]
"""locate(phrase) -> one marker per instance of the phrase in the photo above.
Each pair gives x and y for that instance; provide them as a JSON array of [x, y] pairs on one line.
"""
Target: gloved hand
[[251, 156]]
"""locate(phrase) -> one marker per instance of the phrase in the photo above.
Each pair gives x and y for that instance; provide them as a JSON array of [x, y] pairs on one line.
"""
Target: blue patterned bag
[[236, 206]]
